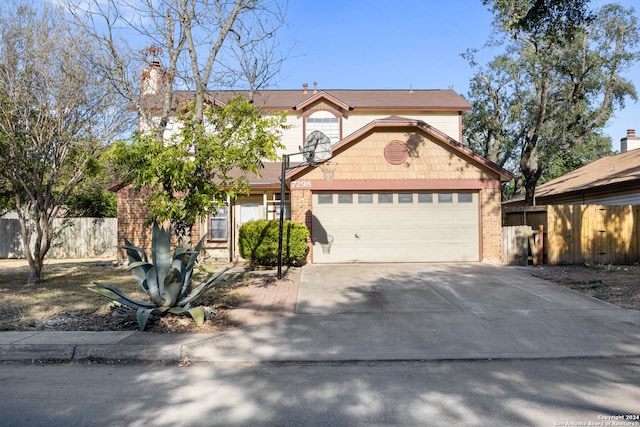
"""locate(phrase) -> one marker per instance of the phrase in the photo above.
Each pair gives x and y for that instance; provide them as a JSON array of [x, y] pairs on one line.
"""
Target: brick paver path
[[269, 299]]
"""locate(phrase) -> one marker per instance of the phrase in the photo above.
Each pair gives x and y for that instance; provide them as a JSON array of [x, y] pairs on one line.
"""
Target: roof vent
[[396, 152]]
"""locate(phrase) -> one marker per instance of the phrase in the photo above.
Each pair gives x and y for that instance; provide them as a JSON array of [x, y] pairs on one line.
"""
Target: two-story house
[[399, 186]]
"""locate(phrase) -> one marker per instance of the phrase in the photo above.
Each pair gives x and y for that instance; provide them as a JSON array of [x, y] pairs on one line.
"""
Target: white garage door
[[395, 227]]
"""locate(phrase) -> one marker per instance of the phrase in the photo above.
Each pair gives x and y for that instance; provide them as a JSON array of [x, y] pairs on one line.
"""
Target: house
[[589, 215], [612, 180], [399, 186]]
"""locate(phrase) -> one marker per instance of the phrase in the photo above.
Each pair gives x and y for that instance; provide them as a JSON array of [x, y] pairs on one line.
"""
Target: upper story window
[[326, 123]]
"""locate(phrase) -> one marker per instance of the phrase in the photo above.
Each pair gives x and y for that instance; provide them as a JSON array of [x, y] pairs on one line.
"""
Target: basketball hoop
[[328, 170]]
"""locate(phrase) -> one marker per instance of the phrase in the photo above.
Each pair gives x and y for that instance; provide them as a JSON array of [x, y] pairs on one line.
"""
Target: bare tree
[[56, 114], [190, 44]]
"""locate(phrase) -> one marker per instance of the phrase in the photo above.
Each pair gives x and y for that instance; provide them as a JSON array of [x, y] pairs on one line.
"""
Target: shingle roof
[[617, 170], [387, 99]]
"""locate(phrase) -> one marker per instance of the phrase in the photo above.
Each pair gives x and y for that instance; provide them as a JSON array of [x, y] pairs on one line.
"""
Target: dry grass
[[64, 301]]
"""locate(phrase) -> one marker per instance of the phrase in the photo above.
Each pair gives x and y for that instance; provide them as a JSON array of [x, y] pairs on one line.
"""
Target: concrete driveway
[[431, 311], [431, 288]]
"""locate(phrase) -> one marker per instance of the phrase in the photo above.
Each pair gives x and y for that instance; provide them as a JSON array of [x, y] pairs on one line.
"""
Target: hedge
[[258, 242]]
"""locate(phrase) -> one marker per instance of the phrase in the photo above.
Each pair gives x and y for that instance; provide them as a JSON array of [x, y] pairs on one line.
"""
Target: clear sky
[[386, 44]]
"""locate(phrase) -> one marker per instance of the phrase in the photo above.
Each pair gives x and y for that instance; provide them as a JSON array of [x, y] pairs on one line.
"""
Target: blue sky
[[382, 44]]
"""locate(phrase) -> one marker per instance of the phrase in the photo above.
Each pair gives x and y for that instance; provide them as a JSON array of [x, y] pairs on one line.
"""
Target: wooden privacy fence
[[577, 234], [593, 233], [76, 238]]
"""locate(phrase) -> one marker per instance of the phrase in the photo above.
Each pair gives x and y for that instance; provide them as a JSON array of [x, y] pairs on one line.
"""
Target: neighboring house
[[612, 180], [399, 187]]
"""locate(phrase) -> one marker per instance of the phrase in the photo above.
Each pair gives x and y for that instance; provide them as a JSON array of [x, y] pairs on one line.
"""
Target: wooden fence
[[577, 234], [76, 238]]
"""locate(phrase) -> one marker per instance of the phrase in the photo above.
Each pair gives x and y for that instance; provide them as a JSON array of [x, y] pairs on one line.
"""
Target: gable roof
[[611, 172], [395, 121], [347, 99]]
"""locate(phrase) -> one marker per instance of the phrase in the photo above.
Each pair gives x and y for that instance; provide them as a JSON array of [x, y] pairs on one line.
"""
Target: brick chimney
[[305, 88], [629, 142], [151, 78], [315, 87]]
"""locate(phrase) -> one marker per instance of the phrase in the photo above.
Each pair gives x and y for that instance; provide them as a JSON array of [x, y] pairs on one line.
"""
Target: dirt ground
[[616, 284]]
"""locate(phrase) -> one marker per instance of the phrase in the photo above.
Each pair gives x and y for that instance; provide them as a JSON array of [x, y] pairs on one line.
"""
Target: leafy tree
[[545, 96], [199, 45], [93, 201], [55, 115], [555, 19], [203, 165]]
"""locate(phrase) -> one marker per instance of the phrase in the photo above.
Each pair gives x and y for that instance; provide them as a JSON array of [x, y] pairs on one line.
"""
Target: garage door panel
[[403, 232]]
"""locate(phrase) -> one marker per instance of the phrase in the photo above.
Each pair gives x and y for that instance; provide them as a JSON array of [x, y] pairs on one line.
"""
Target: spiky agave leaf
[[172, 285], [142, 315], [134, 253], [154, 289], [112, 292], [197, 313], [161, 255], [139, 271], [197, 291], [188, 270]]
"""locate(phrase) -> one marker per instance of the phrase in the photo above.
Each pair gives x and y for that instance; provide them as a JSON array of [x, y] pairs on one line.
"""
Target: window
[[326, 123], [385, 198], [325, 199], [425, 198], [445, 197], [465, 198], [218, 225], [345, 198], [405, 198], [365, 198]]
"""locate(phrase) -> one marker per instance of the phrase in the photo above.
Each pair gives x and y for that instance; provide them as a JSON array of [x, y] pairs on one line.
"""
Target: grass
[[65, 288]]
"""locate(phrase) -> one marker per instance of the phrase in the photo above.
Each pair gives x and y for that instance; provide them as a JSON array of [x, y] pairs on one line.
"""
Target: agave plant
[[166, 280]]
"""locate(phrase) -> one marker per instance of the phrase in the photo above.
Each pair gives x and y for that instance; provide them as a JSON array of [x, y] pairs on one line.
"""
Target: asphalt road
[[551, 392]]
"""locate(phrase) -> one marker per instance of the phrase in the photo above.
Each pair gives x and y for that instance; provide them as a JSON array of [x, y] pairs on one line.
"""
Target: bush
[[258, 242]]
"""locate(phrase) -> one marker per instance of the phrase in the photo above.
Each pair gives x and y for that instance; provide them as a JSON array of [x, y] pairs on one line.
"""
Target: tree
[[547, 95], [196, 45], [203, 165], [552, 19], [55, 116], [200, 45]]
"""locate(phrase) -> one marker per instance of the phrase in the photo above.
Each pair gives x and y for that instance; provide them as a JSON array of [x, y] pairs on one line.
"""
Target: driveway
[[430, 311], [431, 288]]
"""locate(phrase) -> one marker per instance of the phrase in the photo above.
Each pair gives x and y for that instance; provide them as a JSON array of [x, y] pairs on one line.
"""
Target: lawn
[[64, 301]]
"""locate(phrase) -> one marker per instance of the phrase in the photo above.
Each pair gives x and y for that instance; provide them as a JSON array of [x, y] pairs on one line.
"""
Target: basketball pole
[[312, 141], [285, 166]]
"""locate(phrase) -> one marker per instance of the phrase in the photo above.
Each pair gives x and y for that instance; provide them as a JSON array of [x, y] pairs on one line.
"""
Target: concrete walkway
[[378, 312]]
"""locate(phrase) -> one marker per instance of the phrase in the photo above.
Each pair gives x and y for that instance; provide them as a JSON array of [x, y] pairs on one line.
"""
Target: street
[[542, 392]]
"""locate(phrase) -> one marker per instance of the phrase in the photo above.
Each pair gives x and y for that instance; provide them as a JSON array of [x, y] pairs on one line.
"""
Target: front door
[[247, 210]]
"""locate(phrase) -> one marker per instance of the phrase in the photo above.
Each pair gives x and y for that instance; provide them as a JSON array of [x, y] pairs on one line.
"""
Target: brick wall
[[491, 225], [133, 215]]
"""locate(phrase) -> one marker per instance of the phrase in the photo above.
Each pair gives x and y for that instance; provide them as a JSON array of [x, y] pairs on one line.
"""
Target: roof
[[348, 99], [620, 170], [395, 121]]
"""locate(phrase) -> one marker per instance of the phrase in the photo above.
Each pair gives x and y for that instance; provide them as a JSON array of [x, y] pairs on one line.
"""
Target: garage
[[392, 226]]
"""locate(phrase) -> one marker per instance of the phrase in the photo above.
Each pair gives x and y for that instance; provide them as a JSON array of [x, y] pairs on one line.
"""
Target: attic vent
[[396, 152]]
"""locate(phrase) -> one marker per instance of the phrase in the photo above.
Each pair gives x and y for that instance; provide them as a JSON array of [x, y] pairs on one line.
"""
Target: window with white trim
[[326, 123], [218, 224]]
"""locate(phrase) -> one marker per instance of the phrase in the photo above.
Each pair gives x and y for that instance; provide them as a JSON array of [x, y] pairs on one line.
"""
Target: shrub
[[258, 242]]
